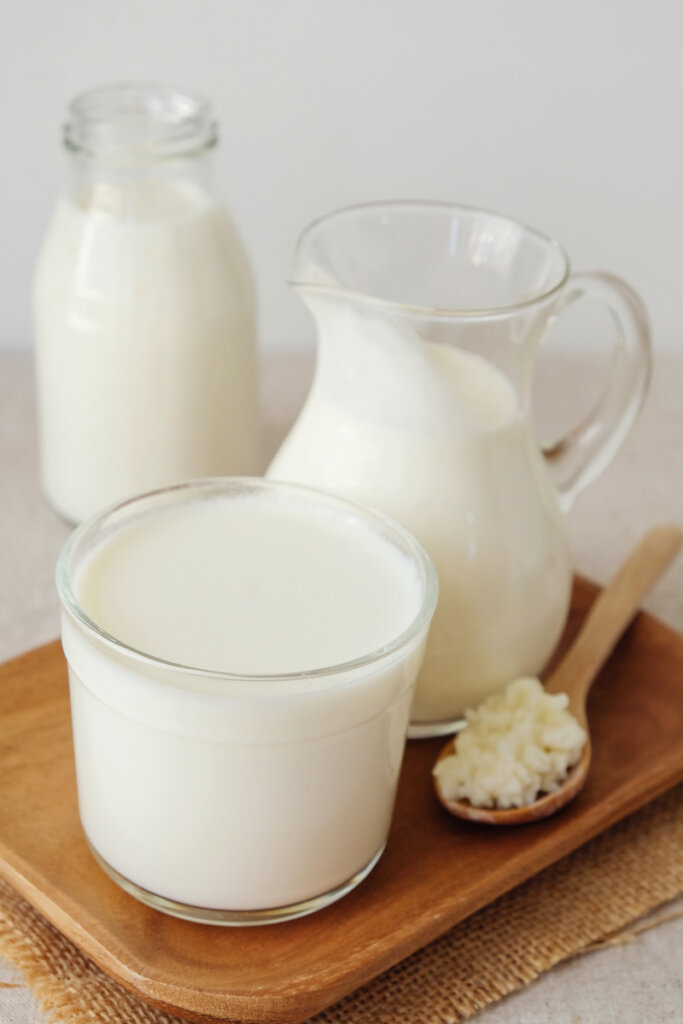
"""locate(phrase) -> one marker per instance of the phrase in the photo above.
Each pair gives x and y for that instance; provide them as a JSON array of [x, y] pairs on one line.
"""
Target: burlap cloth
[[585, 900]]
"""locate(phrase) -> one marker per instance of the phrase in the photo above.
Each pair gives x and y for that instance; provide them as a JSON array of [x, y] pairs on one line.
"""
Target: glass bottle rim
[[138, 122]]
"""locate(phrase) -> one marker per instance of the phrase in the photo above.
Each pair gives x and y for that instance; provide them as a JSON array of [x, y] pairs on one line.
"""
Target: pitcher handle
[[581, 455]]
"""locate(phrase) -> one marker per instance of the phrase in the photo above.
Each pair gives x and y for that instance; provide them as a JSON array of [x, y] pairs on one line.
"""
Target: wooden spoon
[[610, 614]]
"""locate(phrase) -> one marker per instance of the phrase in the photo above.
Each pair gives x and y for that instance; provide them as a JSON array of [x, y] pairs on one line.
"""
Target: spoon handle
[[612, 612]]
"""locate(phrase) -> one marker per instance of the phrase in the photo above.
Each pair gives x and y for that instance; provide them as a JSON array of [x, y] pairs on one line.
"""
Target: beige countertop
[[628, 984]]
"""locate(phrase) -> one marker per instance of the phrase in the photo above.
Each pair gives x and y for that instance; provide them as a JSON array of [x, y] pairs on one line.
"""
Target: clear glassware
[[231, 798], [144, 307], [430, 317]]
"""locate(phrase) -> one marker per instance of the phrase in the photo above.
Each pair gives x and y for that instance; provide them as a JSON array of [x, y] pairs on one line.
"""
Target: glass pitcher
[[430, 317]]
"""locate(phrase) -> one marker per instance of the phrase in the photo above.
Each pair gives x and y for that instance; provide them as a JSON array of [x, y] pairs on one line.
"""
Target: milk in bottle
[[144, 308]]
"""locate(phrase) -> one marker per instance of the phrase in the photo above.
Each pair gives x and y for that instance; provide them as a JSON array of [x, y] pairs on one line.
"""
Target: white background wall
[[566, 115]]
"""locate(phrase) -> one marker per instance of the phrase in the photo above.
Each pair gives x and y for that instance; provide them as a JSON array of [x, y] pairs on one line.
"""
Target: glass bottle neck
[[138, 143], [115, 189]]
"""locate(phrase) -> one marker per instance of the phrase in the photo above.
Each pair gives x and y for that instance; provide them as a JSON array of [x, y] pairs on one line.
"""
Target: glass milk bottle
[[144, 306]]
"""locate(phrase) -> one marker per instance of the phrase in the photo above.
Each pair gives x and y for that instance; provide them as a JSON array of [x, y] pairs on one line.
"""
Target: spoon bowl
[[543, 807], [610, 615]]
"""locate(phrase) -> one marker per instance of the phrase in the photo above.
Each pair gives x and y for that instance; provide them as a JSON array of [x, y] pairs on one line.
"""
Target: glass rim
[[437, 312], [188, 129], [227, 485]]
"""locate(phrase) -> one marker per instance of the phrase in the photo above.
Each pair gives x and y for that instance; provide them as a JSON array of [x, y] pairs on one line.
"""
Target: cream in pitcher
[[429, 318]]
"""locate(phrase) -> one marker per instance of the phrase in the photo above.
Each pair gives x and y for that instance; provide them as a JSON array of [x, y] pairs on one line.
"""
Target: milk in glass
[[242, 660]]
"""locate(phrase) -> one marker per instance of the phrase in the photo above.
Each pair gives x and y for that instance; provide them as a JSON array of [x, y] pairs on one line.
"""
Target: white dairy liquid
[[433, 436], [250, 586], [245, 793], [145, 345]]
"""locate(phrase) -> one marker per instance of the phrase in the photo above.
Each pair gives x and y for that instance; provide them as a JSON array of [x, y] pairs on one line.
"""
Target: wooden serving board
[[436, 870]]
